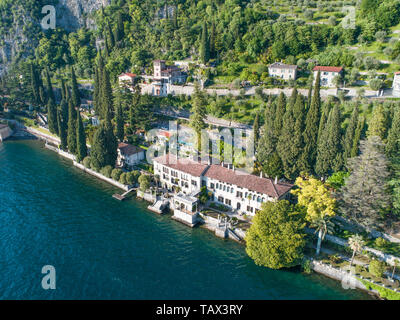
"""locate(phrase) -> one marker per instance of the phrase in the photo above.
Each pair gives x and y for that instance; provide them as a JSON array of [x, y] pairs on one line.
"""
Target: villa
[[283, 71], [164, 76], [235, 189], [327, 75], [129, 155], [127, 79]]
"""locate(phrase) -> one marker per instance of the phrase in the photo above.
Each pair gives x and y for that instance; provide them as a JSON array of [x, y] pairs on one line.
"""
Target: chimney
[[222, 164], [260, 174], [276, 180]]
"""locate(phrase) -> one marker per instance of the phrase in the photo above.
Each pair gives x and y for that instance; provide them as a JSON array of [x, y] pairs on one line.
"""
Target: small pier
[[123, 196]]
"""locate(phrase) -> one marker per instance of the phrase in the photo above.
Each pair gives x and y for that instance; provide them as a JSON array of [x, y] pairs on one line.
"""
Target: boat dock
[[123, 196]]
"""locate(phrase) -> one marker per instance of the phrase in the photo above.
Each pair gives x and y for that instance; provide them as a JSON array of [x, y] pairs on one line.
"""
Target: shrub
[[144, 181], [87, 162], [122, 178], [130, 178], [381, 243], [377, 268], [116, 174], [359, 268], [106, 171]]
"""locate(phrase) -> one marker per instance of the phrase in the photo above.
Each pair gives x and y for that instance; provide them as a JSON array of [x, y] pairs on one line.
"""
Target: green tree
[[75, 95], [144, 182], [329, 157], [204, 45], [393, 140], [50, 93], [52, 117], [364, 196], [119, 124], [62, 131], [311, 129], [276, 239], [285, 141], [378, 125], [71, 128], [81, 149], [350, 134], [319, 205]]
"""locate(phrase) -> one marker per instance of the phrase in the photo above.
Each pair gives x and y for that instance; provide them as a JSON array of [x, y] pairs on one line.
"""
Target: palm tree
[[322, 225], [356, 244]]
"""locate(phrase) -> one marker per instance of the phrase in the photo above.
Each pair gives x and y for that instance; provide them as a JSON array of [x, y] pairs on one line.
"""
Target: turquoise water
[[53, 214]]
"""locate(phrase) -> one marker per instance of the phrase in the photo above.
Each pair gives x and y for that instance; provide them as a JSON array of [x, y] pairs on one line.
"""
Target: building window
[[220, 199], [228, 202], [239, 194], [212, 185], [194, 183]]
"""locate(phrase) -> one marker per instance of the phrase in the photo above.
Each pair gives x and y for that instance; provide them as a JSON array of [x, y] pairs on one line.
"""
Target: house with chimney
[[283, 71], [235, 189], [327, 75]]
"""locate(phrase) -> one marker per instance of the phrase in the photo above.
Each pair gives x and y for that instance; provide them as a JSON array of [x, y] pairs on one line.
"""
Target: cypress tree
[[50, 93], [204, 45], [81, 149], [35, 84], [212, 42], [329, 157], [111, 142], [256, 129], [298, 142], [393, 140], [52, 117], [62, 131], [357, 138], [71, 128], [119, 121], [63, 94], [377, 126], [75, 95], [279, 114], [311, 129], [98, 150], [350, 134], [64, 111], [106, 95], [120, 33], [285, 141], [111, 36]]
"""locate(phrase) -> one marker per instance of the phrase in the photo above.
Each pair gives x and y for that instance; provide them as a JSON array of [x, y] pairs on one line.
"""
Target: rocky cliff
[[20, 23]]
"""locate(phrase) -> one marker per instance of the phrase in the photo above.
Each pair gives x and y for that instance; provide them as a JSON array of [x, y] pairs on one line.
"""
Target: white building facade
[[236, 190], [328, 74], [283, 71]]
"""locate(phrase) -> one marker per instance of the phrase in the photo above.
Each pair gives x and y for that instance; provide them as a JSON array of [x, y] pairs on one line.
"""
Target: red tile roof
[[128, 149], [132, 75], [328, 69], [182, 164], [397, 73], [248, 181]]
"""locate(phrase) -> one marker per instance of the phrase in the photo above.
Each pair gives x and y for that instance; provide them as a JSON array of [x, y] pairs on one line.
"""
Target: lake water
[[54, 214]]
